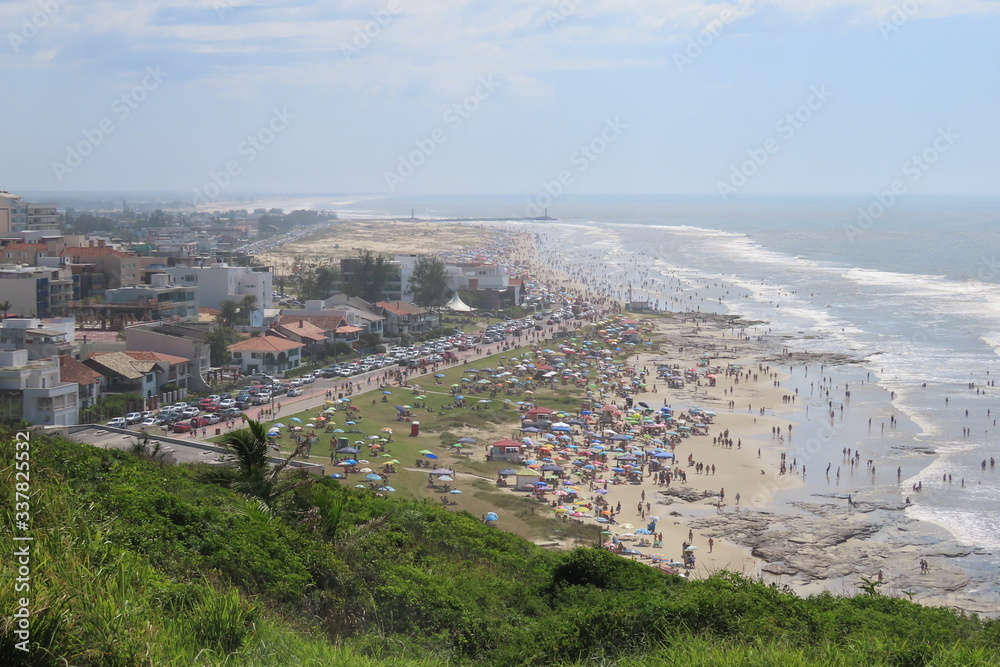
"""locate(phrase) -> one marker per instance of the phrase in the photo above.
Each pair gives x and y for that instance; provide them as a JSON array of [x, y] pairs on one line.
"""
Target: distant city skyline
[[215, 99]]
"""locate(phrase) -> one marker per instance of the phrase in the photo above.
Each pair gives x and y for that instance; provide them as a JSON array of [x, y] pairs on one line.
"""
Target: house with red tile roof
[[404, 318], [91, 382], [139, 372], [266, 353]]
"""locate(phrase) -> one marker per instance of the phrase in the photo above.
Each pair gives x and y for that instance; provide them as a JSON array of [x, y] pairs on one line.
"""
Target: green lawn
[[440, 427]]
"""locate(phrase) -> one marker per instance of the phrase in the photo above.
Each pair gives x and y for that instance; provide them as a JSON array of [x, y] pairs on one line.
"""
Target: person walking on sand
[[711, 544]]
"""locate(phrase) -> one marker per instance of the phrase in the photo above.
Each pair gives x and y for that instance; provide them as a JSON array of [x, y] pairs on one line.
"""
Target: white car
[[118, 422], [295, 391], [227, 403], [133, 417], [150, 422], [187, 413]]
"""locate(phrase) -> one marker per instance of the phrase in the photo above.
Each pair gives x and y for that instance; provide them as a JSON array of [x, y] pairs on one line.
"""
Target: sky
[[210, 98]]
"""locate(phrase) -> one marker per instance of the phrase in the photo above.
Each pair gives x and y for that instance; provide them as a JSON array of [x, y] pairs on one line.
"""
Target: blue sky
[[465, 97]]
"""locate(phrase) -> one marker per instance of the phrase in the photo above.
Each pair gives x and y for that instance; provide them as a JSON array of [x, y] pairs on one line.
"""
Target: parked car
[[133, 418], [181, 427], [149, 422], [226, 403], [295, 391], [118, 422], [190, 412]]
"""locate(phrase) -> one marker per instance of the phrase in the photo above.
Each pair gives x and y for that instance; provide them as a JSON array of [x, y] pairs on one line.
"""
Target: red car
[[181, 427], [208, 406]]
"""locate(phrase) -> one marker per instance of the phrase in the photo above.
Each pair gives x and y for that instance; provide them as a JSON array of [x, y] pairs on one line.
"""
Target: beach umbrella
[[310, 425], [373, 477], [386, 488], [277, 425], [439, 375], [455, 492], [440, 471], [348, 450], [467, 440], [360, 486], [446, 478], [643, 531], [295, 419], [338, 430], [492, 516], [690, 548], [431, 456], [387, 393]]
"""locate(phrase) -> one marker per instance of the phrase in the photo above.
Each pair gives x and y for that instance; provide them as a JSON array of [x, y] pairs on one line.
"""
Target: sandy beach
[[348, 238], [808, 516]]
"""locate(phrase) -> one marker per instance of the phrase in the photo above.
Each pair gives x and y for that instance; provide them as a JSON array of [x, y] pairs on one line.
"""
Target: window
[[237, 355]]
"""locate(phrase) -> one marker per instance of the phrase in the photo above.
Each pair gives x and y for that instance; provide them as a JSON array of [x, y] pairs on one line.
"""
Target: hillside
[[138, 564]]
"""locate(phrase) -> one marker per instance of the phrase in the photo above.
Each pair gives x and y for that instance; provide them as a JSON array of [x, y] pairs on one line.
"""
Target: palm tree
[[247, 305], [229, 312], [5, 306], [256, 477]]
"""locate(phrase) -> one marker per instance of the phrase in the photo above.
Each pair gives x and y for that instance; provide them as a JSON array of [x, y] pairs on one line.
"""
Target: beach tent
[[456, 304]]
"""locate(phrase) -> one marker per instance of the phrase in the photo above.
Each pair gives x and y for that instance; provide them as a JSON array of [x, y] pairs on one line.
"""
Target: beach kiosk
[[506, 450], [526, 478]]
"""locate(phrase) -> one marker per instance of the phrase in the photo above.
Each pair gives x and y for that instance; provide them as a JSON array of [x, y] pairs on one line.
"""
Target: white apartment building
[[221, 282], [46, 400]]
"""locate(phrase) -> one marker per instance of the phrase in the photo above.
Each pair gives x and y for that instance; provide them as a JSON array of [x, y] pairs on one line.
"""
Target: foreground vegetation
[[140, 564]]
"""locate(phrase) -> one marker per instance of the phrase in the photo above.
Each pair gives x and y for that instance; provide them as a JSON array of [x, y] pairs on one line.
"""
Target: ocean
[[910, 292]]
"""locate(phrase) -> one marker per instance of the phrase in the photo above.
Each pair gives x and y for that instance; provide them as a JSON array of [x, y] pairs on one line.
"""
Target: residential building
[[221, 282], [407, 319], [484, 285], [190, 341], [43, 218], [35, 291], [165, 300], [121, 269], [89, 381], [140, 372], [313, 337], [392, 288], [45, 398], [265, 353], [40, 340], [13, 213]]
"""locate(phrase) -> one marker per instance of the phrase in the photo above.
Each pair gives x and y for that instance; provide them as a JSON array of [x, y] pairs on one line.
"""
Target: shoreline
[[877, 536], [839, 547]]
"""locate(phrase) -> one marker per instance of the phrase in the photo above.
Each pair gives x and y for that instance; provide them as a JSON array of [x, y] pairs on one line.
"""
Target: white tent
[[458, 305]]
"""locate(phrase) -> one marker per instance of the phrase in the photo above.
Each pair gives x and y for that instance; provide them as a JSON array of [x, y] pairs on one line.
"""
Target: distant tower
[[412, 215]]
